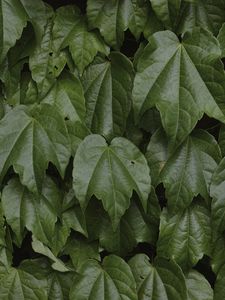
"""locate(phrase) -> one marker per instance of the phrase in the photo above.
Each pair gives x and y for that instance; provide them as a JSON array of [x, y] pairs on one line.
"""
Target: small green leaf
[[81, 251], [57, 264]]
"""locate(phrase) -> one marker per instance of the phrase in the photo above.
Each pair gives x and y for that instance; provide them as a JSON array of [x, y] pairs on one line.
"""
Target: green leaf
[[217, 193], [185, 236], [17, 284], [164, 280], [111, 17], [208, 14], [44, 63], [179, 79], [188, 171], [38, 214], [138, 17], [107, 89], [167, 11], [57, 284], [221, 38], [14, 17], [112, 280], [68, 96], [135, 227], [219, 289], [13, 20], [57, 264], [222, 140], [217, 255], [81, 251], [83, 44], [111, 173], [198, 287], [32, 138]]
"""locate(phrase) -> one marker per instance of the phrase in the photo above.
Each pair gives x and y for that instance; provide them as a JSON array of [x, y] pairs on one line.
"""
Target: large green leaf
[[162, 281], [111, 281], [185, 236], [111, 173], [17, 284], [198, 287], [107, 89], [179, 78], [32, 138], [188, 171], [57, 284], [70, 29], [208, 14]]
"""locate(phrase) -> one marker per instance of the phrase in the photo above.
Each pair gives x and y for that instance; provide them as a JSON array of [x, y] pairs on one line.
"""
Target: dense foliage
[[112, 138]]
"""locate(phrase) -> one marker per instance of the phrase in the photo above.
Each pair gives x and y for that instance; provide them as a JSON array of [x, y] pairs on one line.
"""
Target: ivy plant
[[112, 150]]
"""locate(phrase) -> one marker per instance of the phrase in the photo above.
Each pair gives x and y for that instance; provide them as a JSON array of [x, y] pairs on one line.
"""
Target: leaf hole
[[132, 162], [50, 53]]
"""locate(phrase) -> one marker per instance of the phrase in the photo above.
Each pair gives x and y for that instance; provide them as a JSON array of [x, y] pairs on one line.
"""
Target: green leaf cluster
[[112, 150]]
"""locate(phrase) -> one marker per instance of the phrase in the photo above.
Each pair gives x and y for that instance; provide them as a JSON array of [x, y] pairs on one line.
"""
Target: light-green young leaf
[[188, 171], [111, 173], [112, 280], [162, 281], [185, 236], [179, 79], [32, 138], [107, 89]]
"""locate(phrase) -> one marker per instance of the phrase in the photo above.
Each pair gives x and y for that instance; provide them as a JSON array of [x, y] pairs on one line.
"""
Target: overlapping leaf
[[111, 173], [163, 280], [83, 44], [32, 138], [185, 236], [112, 280], [179, 79], [188, 171], [107, 89]]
